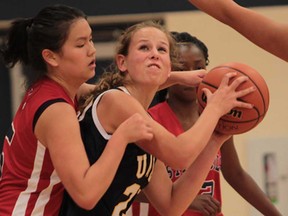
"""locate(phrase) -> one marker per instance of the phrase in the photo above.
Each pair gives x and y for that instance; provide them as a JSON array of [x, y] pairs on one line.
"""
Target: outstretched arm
[[242, 182], [262, 31], [189, 78], [164, 144], [174, 198]]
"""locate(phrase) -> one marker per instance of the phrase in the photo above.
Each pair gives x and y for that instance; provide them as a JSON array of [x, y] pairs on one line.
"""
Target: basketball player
[[43, 148], [264, 32], [143, 60], [178, 113]]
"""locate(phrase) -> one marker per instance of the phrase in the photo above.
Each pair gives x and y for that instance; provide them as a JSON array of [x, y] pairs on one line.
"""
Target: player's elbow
[[170, 212], [180, 163], [85, 201], [183, 164], [233, 175]]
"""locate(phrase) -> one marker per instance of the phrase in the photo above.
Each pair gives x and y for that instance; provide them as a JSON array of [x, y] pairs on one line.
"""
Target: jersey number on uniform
[[208, 187], [132, 190]]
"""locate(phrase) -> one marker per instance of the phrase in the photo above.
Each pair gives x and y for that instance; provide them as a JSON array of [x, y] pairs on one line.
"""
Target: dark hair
[[28, 37], [113, 77], [185, 37]]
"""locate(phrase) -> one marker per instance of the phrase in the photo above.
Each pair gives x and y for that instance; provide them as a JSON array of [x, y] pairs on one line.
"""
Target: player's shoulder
[[118, 97]]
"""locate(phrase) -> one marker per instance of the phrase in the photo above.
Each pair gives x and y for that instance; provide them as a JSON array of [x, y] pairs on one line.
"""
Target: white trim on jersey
[[143, 211], [144, 208], [81, 116], [44, 196], [95, 116], [22, 201]]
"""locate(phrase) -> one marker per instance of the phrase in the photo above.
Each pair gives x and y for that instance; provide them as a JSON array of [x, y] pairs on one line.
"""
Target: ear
[[49, 57], [121, 62]]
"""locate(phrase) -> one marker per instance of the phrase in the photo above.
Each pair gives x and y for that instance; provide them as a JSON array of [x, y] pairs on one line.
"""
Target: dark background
[[10, 9]]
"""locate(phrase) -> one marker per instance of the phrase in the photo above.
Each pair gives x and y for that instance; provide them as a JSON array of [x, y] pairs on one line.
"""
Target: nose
[[154, 54], [92, 49]]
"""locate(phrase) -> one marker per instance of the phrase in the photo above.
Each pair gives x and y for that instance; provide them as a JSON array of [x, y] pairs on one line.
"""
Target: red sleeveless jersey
[[163, 114], [29, 185]]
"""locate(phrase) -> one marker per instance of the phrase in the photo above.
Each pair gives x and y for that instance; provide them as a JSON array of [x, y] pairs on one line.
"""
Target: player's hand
[[206, 204], [136, 128], [226, 96]]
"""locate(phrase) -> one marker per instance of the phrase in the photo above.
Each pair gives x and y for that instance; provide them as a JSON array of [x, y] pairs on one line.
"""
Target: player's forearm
[[186, 188], [101, 173], [187, 146], [244, 184], [189, 78], [218, 9], [254, 26], [230, 13]]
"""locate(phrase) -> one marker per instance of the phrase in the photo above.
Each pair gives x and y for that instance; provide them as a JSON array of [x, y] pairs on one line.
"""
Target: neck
[[143, 95], [186, 111], [70, 88]]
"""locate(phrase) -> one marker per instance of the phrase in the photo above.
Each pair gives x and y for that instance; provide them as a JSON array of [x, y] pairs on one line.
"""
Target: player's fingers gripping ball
[[238, 120]]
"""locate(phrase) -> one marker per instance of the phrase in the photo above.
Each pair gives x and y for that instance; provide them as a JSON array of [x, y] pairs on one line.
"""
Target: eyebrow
[[146, 40], [83, 37]]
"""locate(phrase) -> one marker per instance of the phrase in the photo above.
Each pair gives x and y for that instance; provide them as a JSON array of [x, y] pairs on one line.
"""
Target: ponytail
[[15, 50]]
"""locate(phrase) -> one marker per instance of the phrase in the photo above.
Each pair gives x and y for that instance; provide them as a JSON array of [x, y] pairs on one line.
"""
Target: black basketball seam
[[208, 84]]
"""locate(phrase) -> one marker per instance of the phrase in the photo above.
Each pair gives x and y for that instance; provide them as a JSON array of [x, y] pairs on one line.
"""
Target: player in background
[[180, 111], [264, 32]]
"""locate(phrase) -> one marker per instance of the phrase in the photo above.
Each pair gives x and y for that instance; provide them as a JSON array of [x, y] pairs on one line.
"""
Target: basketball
[[238, 120]]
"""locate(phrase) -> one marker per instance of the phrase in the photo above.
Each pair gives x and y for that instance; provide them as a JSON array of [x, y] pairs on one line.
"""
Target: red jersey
[[29, 184], [163, 114]]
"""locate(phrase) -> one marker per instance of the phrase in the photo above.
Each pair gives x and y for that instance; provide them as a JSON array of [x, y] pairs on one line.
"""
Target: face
[[76, 60], [192, 58], [148, 60]]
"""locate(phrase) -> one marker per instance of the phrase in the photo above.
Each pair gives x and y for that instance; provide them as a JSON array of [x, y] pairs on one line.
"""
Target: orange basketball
[[238, 120]]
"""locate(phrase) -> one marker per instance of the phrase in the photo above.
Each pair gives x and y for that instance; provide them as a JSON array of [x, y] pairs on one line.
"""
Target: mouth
[[92, 64], [154, 65]]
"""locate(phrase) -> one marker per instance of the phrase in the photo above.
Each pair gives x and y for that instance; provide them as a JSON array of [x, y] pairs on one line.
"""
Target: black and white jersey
[[133, 174]]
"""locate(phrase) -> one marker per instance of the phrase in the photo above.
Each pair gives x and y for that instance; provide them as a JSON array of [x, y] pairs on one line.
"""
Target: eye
[[199, 65], [143, 47], [162, 49], [199, 68], [80, 45], [91, 38]]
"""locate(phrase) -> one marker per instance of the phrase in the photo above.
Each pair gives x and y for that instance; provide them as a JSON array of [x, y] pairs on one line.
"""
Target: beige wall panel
[[227, 45]]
